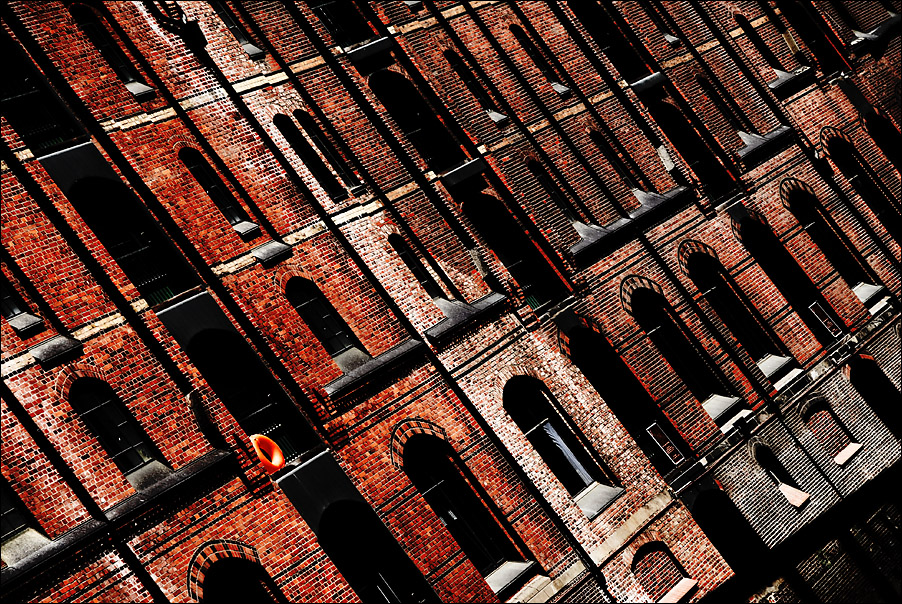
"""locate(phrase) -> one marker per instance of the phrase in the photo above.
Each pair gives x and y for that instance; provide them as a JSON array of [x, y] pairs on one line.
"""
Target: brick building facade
[[574, 301]]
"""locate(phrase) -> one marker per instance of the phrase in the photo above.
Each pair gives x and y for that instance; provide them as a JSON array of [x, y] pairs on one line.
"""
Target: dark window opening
[[557, 195], [107, 418], [415, 266], [236, 29], [877, 390], [248, 390], [517, 252], [845, 15], [344, 21], [327, 148], [670, 35], [417, 120], [774, 468], [435, 471], [657, 570], [816, 34], [540, 60], [792, 281], [628, 399], [731, 305], [828, 429], [826, 235], [612, 40], [11, 303], [758, 42], [726, 106], [14, 516], [657, 318], [96, 30], [384, 576], [626, 167], [715, 178], [309, 156], [473, 84], [230, 580], [212, 184], [321, 317], [35, 112], [132, 238], [729, 531], [886, 136], [529, 404], [855, 169]]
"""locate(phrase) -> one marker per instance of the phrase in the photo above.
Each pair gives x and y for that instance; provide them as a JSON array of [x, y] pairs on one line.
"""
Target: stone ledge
[[56, 350], [462, 317], [365, 374]]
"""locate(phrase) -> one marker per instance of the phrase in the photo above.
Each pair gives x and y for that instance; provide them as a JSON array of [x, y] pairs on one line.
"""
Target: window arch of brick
[[309, 156], [757, 41], [886, 136], [68, 374], [657, 570], [210, 181], [327, 147], [816, 33], [854, 167], [405, 429], [613, 41], [877, 390], [829, 430], [540, 60], [420, 273], [211, 552], [800, 198], [94, 26], [322, 318], [765, 457], [344, 20]]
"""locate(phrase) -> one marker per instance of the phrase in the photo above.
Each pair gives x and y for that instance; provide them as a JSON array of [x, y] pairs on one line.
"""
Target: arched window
[[132, 238], [732, 306], [560, 199], [230, 580], [344, 21], [530, 404], [107, 417], [858, 173], [626, 166], [327, 148], [802, 295], [514, 248], [368, 557], [612, 40], [779, 475], [415, 266], [97, 32], [656, 317], [438, 475], [309, 156], [886, 135], [877, 390], [540, 60], [627, 398], [714, 177], [326, 324], [801, 200], [417, 120], [829, 430], [236, 29], [816, 33], [248, 390], [213, 186], [33, 109], [475, 86], [660, 574], [11, 303], [726, 106]]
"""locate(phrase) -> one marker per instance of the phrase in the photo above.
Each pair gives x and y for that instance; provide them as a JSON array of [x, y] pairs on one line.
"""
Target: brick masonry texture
[[551, 169]]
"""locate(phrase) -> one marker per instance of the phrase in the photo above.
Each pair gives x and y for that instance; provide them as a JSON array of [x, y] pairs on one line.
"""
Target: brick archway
[[630, 284], [69, 374], [689, 247], [411, 427], [209, 553]]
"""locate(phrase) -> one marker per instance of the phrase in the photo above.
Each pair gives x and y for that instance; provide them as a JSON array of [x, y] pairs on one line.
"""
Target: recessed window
[[239, 580], [533, 408], [327, 148], [15, 309], [625, 166], [829, 430], [475, 86], [344, 21], [309, 157], [35, 112], [19, 532], [560, 199], [108, 419], [417, 120], [779, 475], [816, 33], [236, 29], [132, 238], [326, 324], [758, 42], [96, 29], [541, 61], [215, 189], [611, 39], [439, 476], [726, 105], [660, 574]]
